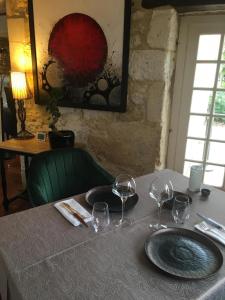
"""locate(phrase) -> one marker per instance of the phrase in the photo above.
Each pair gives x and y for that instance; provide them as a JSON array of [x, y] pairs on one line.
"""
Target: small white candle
[[196, 177]]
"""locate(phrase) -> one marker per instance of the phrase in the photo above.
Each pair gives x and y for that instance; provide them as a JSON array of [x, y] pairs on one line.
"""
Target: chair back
[[61, 173]]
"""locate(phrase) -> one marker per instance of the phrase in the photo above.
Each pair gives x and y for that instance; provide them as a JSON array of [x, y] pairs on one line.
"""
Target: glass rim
[[182, 199], [102, 203]]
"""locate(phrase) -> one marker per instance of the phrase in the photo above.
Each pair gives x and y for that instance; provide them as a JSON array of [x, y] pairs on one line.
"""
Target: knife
[[74, 213], [211, 222]]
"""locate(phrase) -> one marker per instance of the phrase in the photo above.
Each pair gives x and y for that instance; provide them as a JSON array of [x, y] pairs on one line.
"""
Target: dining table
[[44, 257]]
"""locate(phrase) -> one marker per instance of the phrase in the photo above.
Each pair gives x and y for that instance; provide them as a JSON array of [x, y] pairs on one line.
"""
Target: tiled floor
[[14, 187]]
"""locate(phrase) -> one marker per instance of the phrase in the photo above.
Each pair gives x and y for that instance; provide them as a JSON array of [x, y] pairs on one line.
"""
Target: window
[[198, 111]]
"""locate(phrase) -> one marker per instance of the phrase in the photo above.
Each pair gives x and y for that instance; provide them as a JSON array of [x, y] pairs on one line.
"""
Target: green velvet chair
[[61, 173]]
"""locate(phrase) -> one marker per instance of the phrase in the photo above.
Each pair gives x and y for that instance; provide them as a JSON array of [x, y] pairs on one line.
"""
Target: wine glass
[[124, 187], [160, 191], [100, 213], [181, 209]]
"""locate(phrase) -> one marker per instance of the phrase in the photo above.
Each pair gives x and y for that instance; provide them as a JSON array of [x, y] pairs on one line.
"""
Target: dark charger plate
[[105, 194], [183, 253]]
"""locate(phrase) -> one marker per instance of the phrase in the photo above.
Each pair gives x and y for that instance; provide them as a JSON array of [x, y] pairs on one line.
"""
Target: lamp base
[[24, 135]]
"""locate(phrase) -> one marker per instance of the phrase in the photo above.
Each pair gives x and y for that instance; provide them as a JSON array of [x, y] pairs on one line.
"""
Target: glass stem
[[123, 199], [159, 213]]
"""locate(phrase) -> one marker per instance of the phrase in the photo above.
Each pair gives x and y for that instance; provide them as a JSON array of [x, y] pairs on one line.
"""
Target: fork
[[205, 227]]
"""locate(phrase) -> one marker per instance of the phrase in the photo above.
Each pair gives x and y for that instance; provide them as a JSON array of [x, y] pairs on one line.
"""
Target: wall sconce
[[21, 93]]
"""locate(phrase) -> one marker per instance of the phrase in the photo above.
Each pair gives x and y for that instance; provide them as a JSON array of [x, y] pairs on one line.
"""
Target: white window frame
[[190, 28]]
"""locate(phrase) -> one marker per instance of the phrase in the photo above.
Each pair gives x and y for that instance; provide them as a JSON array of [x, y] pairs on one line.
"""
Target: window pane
[[208, 48], [221, 77], [214, 175], [219, 107], [197, 126], [216, 153], [194, 149], [223, 51], [218, 129], [201, 102], [187, 167], [205, 75]]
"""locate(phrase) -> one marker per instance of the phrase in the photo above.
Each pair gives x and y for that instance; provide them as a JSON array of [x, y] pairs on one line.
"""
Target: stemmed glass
[[124, 187], [160, 191]]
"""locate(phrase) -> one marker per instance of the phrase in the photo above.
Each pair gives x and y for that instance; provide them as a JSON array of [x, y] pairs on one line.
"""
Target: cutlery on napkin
[[212, 222], [62, 207], [74, 213], [211, 231]]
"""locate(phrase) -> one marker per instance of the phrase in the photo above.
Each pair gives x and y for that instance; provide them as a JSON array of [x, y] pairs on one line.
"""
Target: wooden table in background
[[26, 148]]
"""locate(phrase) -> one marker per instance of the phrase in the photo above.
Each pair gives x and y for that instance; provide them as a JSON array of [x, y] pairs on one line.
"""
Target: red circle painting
[[78, 44]]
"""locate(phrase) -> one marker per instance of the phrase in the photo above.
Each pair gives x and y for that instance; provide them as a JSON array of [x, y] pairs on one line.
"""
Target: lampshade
[[19, 85]]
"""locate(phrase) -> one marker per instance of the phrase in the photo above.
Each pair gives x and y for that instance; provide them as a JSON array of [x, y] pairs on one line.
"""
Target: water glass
[[100, 214], [181, 209]]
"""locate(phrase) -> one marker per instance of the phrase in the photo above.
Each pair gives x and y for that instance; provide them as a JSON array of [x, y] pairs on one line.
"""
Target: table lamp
[[4, 71], [21, 93]]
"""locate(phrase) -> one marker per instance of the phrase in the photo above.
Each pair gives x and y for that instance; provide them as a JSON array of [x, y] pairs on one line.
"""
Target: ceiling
[[179, 4]]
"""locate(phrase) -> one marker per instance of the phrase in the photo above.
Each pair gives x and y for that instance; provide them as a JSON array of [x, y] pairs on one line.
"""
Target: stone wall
[[134, 142], [3, 27]]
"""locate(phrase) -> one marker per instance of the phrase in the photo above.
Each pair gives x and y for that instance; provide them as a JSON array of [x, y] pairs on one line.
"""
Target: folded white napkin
[[214, 233], [74, 204]]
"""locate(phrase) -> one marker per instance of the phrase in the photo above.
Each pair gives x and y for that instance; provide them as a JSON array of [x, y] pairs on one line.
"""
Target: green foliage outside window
[[220, 106], [220, 102]]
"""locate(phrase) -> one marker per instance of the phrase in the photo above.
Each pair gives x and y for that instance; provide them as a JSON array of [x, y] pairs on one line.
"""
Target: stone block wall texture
[[134, 142], [3, 27]]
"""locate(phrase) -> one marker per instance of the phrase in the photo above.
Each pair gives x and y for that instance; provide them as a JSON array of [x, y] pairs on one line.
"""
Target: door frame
[[190, 27]]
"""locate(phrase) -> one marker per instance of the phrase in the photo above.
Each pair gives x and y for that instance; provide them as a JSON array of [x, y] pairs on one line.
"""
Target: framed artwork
[[80, 52]]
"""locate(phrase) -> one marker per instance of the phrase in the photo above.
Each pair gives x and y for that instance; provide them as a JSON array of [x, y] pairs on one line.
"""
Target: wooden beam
[[180, 3]]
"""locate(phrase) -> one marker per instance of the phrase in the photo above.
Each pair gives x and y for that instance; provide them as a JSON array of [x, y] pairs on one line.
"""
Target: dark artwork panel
[[78, 62]]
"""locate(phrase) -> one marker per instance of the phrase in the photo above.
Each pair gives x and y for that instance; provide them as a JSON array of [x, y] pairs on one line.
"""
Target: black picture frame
[[121, 107]]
